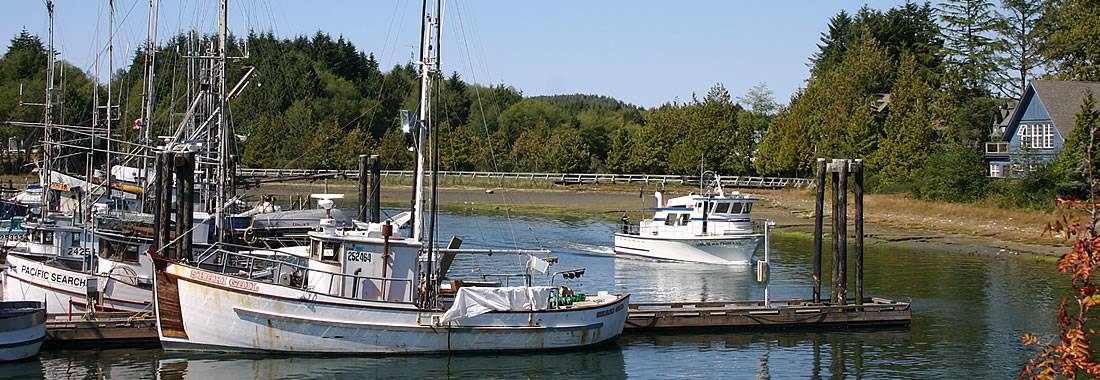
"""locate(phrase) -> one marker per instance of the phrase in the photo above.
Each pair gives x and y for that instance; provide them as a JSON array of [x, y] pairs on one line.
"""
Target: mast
[[110, 77], [425, 105], [148, 97], [225, 192], [47, 118]]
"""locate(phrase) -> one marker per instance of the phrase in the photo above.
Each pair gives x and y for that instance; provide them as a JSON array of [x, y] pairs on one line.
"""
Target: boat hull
[[22, 329], [729, 250], [202, 310], [65, 291]]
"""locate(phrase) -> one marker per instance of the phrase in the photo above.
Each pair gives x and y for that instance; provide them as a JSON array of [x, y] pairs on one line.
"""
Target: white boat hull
[[731, 249], [222, 313], [21, 334], [65, 291]]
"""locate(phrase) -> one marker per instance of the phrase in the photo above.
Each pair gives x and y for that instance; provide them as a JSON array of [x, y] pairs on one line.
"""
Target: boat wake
[[590, 249]]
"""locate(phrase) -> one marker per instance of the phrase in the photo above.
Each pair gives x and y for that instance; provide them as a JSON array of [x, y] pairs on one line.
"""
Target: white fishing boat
[[712, 227], [371, 289], [22, 329]]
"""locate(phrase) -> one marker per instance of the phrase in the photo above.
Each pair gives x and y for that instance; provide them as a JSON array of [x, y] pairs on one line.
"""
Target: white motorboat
[[22, 329], [712, 227]]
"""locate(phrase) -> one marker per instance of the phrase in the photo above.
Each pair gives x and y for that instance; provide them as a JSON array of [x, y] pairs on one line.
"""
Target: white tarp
[[474, 301]]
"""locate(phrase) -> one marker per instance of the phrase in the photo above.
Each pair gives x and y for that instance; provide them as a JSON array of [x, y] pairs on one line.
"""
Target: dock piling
[[375, 189], [857, 168], [185, 206], [164, 203], [833, 296], [819, 216], [842, 234]]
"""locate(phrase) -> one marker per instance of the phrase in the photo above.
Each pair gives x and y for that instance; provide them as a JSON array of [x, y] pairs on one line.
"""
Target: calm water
[[969, 313]]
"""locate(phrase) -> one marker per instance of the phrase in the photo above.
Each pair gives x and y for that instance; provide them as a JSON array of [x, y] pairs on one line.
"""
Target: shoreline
[[891, 220]]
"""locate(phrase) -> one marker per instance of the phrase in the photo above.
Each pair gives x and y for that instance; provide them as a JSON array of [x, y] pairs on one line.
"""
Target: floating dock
[[106, 328], [755, 314]]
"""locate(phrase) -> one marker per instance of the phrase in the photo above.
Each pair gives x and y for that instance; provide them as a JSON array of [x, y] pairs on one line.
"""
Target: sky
[[643, 52]]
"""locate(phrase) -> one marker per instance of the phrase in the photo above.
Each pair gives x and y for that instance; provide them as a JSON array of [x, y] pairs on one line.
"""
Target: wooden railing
[[557, 178]]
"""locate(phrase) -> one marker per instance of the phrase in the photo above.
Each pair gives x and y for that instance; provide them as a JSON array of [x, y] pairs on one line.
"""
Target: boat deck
[[107, 328]]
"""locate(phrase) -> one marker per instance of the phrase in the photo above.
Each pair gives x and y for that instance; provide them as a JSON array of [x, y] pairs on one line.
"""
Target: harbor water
[[969, 313]]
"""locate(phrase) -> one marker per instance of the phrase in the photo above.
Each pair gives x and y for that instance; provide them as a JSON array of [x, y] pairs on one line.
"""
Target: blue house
[[1033, 133]]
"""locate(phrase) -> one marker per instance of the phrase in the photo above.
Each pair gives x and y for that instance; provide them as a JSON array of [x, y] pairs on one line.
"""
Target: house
[[1035, 130]]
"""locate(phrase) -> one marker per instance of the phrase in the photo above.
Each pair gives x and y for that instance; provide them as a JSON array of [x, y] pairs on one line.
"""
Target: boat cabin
[[694, 215], [363, 264]]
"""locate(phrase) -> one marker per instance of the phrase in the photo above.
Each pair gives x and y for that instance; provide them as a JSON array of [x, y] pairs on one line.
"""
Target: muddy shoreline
[[791, 210]]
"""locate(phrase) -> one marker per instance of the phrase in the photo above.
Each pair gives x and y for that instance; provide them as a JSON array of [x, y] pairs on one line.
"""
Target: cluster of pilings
[[180, 167], [841, 169]]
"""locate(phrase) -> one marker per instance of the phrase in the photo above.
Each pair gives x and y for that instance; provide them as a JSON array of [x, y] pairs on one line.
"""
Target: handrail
[[562, 178]]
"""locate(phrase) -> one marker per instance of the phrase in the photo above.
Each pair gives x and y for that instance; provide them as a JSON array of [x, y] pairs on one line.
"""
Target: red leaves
[[1071, 355]]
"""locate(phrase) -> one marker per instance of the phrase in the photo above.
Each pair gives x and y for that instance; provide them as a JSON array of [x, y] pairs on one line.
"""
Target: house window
[[995, 170], [1036, 136]]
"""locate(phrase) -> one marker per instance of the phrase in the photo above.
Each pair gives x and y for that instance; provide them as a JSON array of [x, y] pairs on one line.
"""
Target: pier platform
[[648, 316], [107, 328]]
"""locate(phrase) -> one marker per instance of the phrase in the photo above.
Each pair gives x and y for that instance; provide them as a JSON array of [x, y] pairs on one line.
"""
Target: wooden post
[[834, 296], [842, 236], [857, 167], [164, 202], [364, 187], [185, 206], [819, 216], [375, 189]]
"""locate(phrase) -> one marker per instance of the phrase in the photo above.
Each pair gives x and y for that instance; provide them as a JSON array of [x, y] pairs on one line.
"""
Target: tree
[[1074, 29], [909, 135], [760, 99], [834, 43], [953, 173], [1072, 165], [1018, 38], [970, 49]]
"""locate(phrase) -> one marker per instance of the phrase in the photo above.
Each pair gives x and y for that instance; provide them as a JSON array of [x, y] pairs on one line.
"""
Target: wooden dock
[[735, 315], [123, 328], [107, 328]]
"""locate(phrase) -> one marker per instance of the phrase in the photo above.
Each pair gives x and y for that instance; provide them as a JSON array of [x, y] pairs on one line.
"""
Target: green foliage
[[1071, 168], [1074, 29], [909, 134], [954, 173], [967, 30]]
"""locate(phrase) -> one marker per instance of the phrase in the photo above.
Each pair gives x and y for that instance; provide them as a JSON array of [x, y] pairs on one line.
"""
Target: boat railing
[[282, 268], [684, 231]]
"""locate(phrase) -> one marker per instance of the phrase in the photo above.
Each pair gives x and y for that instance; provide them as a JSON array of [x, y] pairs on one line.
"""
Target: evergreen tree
[[968, 28], [1018, 38], [1074, 29], [1071, 167], [909, 135]]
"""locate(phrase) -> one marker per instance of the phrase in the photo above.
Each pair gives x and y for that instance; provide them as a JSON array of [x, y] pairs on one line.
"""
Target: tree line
[[913, 90]]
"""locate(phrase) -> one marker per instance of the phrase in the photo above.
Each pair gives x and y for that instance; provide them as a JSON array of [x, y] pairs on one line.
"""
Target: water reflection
[[969, 312], [605, 362]]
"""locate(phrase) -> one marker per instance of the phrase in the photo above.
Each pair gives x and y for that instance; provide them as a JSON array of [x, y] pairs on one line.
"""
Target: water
[[968, 315]]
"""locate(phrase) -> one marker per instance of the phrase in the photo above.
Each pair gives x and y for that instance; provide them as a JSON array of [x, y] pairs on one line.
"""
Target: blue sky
[[643, 52]]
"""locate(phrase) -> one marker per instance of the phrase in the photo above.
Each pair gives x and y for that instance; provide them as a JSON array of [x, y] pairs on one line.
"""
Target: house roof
[[1063, 100]]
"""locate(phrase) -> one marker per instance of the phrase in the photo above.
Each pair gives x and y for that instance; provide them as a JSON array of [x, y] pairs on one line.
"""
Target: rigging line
[[477, 92], [385, 77]]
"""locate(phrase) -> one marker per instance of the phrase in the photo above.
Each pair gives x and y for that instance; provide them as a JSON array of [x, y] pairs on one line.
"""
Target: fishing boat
[[22, 329], [371, 289], [711, 227]]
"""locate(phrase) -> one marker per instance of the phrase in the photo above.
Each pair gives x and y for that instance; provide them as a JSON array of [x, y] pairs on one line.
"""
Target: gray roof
[[1063, 100]]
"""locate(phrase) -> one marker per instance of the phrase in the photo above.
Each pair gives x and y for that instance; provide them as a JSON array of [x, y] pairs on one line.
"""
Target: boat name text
[[223, 280], [59, 278]]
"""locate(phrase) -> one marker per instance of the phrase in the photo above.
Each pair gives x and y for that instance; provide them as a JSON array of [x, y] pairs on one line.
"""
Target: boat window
[[119, 252], [47, 238], [670, 219], [684, 218], [329, 251], [722, 208], [315, 250], [735, 208], [748, 207]]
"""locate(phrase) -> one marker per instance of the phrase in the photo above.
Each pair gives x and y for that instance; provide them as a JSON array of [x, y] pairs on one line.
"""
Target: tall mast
[[225, 192], [110, 77], [148, 97], [426, 67], [47, 118]]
